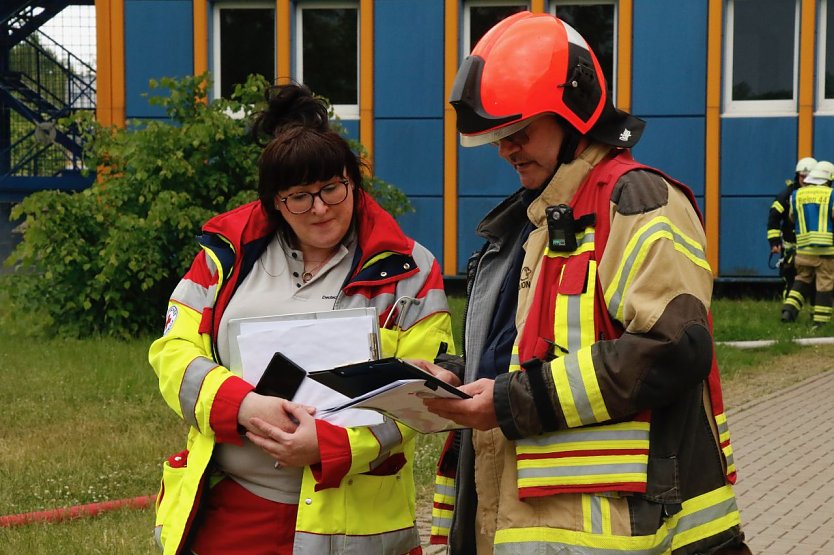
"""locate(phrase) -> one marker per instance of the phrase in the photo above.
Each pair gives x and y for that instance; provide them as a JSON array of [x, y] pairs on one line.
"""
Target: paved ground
[[784, 449]]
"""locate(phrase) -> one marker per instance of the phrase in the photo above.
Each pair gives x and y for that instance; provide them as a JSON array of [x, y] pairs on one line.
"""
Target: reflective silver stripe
[[707, 514], [627, 266], [579, 435], [724, 430], [397, 542], [596, 514], [440, 489], [577, 387], [574, 323], [157, 536], [388, 435], [583, 470], [433, 301], [192, 382], [442, 523], [380, 302], [194, 295]]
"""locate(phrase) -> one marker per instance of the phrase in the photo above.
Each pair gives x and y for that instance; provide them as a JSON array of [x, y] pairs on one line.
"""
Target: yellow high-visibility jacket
[[360, 498]]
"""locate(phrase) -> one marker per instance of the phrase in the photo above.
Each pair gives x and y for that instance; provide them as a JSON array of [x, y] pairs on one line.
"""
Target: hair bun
[[288, 106]]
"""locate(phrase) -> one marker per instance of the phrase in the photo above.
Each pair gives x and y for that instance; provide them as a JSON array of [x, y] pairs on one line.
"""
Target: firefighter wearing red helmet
[[596, 421]]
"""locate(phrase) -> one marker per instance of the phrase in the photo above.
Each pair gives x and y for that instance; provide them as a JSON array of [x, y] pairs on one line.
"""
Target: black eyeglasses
[[330, 194]]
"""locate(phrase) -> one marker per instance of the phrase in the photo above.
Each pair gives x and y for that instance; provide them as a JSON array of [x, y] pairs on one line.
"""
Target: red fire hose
[[77, 511]]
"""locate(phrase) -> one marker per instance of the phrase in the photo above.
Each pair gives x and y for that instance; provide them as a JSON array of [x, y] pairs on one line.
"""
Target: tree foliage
[[105, 260]]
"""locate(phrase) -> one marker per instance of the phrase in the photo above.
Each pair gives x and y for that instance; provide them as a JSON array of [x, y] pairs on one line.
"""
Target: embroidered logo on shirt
[[170, 318]]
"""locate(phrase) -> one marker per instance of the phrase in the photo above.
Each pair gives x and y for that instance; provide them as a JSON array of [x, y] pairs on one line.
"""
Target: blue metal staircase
[[40, 83]]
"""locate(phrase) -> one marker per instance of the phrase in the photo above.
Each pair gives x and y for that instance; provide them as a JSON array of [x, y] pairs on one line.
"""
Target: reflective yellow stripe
[[724, 437], [773, 234], [584, 241], [444, 494], [596, 514], [622, 435], [777, 206], [515, 363], [444, 490], [699, 518], [578, 390], [636, 251], [576, 458]]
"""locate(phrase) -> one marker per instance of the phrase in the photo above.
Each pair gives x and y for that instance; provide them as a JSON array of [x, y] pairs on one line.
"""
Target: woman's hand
[[477, 412], [273, 410], [297, 448], [437, 371]]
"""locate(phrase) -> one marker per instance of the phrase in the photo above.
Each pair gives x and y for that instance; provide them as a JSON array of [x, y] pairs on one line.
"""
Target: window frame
[[466, 21], [748, 108], [554, 4], [216, 39], [824, 105], [343, 111]]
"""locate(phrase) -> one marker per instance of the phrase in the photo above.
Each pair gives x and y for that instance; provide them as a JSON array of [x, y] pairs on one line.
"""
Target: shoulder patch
[[170, 318], [640, 191]]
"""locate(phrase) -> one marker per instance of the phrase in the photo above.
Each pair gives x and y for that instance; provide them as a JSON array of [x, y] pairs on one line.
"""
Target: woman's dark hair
[[299, 147]]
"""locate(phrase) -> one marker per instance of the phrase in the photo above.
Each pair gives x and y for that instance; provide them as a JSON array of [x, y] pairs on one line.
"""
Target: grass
[[82, 422]]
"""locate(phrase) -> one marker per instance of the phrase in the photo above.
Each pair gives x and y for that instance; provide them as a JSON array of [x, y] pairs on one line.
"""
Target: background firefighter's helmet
[[532, 64], [805, 165], [822, 173]]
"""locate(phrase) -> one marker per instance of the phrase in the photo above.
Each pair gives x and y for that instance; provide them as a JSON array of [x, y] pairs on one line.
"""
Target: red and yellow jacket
[[612, 433], [362, 493]]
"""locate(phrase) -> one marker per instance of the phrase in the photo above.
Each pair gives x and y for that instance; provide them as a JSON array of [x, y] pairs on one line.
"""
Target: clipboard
[[239, 326], [391, 387]]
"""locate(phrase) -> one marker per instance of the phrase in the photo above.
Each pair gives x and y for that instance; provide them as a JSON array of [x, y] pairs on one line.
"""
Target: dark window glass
[[829, 51], [596, 24], [330, 53], [483, 18], [247, 46], [763, 49]]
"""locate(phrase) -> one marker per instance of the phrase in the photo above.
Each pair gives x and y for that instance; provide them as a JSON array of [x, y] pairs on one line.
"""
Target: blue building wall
[[669, 72], [159, 41], [757, 155], [408, 110]]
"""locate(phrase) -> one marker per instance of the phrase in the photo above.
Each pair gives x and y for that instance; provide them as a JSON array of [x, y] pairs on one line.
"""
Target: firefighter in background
[[780, 233], [595, 423], [812, 214]]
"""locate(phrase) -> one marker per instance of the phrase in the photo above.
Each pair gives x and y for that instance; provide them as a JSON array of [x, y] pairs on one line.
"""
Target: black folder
[[355, 380]]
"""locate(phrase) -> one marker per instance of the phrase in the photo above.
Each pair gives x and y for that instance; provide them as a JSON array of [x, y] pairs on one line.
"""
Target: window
[[825, 71], [479, 16], [244, 43], [596, 21], [762, 56], [327, 53]]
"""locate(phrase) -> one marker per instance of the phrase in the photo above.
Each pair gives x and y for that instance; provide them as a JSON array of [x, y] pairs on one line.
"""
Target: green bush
[[105, 260]]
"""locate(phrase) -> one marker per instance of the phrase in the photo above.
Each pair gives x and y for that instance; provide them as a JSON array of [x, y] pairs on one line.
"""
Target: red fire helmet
[[531, 64]]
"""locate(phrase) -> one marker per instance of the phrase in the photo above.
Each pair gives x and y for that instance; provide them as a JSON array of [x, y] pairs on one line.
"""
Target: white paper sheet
[[313, 344]]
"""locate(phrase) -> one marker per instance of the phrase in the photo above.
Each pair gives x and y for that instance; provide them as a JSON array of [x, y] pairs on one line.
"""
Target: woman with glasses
[[262, 474]]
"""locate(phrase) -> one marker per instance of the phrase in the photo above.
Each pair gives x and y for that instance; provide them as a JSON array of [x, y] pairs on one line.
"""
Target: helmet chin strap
[[570, 142], [567, 150]]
